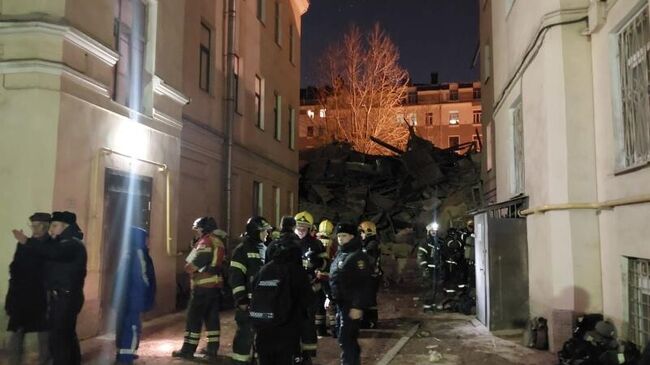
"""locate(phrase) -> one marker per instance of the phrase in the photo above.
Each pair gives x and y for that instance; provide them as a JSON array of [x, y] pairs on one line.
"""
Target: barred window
[[634, 63], [639, 300], [518, 149]]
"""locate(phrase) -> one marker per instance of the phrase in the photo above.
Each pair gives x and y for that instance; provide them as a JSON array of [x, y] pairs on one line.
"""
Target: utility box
[[501, 254]]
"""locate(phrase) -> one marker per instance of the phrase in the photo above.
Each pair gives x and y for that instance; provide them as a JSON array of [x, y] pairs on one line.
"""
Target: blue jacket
[[136, 275]]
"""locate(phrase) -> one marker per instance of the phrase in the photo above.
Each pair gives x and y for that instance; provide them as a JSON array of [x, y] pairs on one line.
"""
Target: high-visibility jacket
[[247, 259], [205, 262]]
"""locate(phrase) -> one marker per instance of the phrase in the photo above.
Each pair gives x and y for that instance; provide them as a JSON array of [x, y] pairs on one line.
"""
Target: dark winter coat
[[350, 276], [26, 303]]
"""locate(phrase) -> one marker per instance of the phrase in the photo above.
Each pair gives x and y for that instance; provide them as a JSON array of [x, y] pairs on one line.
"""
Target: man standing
[[247, 259], [314, 260], [279, 343], [325, 232], [26, 304], [138, 280], [370, 243], [430, 262], [350, 282], [65, 273], [205, 267]]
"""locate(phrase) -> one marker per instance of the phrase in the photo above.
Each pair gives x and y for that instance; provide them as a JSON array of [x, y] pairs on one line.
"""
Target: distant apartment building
[[448, 115]]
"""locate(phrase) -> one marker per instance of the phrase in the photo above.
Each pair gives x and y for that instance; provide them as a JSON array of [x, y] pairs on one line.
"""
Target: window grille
[[639, 299]]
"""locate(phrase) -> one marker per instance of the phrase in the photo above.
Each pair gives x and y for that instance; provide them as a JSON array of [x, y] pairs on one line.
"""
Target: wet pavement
[[442, 338]]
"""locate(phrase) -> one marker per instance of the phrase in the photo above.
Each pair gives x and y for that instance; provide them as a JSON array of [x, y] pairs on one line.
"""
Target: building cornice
[[66, 32], [301, 6], [53, 68], [161, 88]]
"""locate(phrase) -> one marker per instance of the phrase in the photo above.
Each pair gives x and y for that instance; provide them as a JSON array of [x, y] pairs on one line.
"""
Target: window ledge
[[630, 169]]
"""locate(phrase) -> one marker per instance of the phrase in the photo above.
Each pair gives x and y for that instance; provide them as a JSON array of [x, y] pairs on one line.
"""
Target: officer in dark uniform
[[65, 273], [314, 260], [281, 344], [247, 259], [25, 303], [204, 264], [370, 243], [351, 287]]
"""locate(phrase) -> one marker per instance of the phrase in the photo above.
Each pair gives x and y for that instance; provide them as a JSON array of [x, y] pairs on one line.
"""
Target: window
[[277, 115], [399, 118], [518, 149], [130, 25], [261, 11], [453, 94], [487, 63], [292, 128], [291, 207], [259, 102], [634, 63], [291, 44], [323, 113], [412, 97], [235, 69], [639, 300], [258, 198], [311, 114], [454, 141], [204, 58], [310, 131], [413, 119], [276, 203], [490, 150], [477, 93], [429, 118], [454, 118], [278, 24], [477, 117]]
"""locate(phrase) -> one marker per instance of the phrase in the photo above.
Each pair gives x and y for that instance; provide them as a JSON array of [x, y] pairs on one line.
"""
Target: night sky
[[432, 35]]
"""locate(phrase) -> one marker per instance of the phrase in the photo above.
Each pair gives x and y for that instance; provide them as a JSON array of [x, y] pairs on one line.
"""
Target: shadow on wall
[[562, 320]]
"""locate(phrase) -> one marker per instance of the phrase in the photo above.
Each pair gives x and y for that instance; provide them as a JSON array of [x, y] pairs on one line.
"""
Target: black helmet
[[206, 224], [257, 224], [347, 228]]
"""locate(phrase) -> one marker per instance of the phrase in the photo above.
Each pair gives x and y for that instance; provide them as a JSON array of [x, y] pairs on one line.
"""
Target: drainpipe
[[229, 108]]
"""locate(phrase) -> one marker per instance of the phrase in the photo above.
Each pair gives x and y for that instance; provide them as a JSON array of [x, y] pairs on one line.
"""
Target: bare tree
[[364, 91]]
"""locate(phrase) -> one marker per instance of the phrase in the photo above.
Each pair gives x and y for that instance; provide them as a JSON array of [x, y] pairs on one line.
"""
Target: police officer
[[136, 281], [25, 303], [204, 264], [370, 244], [350, 282], [281, 344], [247, 259], [430, 261], [325, 232], [314, 260], [65, 273]]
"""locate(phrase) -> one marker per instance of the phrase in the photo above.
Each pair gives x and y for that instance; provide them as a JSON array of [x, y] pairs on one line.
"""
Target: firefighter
[[370, 244], [314, 260], [247, 259], [325, 231], [204, 264], [429, 260], [351, 287]]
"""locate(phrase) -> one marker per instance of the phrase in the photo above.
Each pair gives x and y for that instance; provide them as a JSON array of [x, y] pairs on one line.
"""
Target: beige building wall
[[568, 92], [59, 120]]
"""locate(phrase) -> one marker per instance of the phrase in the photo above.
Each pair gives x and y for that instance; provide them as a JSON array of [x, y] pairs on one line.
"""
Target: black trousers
[[63, 308], [348, 337], [320, 317], [203, 309], [270, 352], [308, 336], [242, 344], [371, 314]]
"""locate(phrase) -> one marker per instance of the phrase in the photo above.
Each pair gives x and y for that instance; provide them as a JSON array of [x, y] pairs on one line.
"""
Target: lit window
[[454, 119], [311, 114], [323, 113], [413, 119]]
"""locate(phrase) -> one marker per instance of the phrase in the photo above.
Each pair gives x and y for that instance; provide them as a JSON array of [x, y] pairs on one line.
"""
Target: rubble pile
[[397, 192]]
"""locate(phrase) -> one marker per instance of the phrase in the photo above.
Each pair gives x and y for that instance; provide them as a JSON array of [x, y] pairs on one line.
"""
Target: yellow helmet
[[304, 219], [326, 227], [368, 227]]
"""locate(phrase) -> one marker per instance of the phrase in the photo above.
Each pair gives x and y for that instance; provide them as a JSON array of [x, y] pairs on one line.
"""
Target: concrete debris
[[397, 192], [435, 356]]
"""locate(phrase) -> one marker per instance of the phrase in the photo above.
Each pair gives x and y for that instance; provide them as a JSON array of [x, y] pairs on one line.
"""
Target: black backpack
[[271, 297]]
